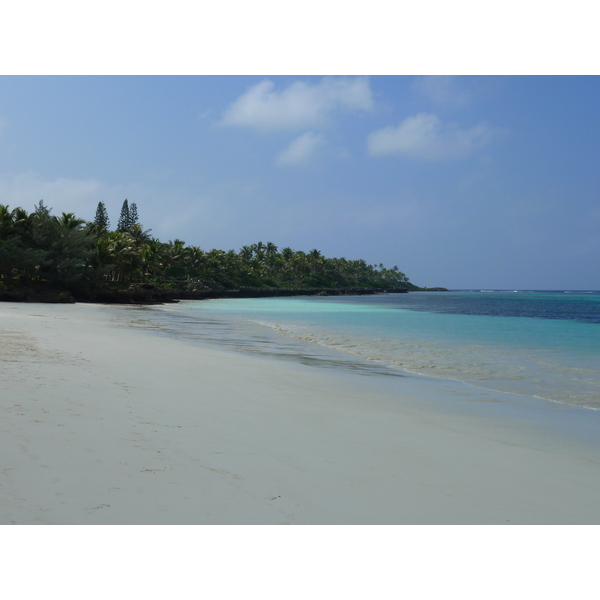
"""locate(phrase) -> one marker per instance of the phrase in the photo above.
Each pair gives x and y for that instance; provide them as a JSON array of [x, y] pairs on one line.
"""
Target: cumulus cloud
[[442, 90], [301, 150], [424, 136], [300, 105]]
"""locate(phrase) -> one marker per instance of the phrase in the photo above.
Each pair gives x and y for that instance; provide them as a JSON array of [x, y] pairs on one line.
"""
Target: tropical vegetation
[[73, 254]]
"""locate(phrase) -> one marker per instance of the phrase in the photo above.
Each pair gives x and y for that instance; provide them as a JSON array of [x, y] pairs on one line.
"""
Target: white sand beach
[[105, 423]]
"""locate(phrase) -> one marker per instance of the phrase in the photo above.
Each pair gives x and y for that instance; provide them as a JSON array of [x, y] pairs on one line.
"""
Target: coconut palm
[[194, 261], [139, 235], [154, 257], [69, 221]]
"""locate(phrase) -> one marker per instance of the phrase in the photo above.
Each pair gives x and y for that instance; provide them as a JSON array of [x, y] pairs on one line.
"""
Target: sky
[[476, 182], [460, 181]]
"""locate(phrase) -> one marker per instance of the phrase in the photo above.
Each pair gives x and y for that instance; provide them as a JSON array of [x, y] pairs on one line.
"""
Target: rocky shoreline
[[148, 293]]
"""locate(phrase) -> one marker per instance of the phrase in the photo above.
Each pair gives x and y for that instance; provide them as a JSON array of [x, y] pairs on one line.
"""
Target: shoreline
[[270, 339], [104, 423], [150, 294]]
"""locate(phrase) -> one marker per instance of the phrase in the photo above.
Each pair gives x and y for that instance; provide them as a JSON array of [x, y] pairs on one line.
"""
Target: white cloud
[[442, 90], [298, 106], [424, 136], [27, 189], [301, 150]]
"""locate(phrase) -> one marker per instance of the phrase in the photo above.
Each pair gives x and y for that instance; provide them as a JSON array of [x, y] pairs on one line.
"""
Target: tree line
[[67, 250]]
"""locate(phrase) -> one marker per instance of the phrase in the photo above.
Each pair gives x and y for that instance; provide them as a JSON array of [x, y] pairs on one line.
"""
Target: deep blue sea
[[544, 344]]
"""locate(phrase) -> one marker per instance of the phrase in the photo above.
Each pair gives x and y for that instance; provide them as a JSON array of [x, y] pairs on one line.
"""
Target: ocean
[[541, 344]]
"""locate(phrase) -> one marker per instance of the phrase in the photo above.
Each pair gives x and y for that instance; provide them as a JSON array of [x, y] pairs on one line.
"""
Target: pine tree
[[124, 219], [41, 209], [101, 220], [133, 215]]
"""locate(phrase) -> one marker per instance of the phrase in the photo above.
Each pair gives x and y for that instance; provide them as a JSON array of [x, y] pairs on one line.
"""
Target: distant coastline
[[46, 258], [153, 294]]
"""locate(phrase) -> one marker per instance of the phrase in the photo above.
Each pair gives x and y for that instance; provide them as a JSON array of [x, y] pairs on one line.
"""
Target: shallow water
[[542, 344]]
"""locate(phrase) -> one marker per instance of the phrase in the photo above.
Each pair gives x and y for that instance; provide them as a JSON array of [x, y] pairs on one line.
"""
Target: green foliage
[[40, 247], [133, 216], [124, 220], [66, 250], [101, 220], [128, 219], [17, 260]]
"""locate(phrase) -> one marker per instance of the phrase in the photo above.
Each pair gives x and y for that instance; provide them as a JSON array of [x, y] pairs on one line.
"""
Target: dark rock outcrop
[[148, 293]]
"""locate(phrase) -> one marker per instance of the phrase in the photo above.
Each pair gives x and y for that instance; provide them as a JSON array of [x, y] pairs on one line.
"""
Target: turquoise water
[[542, 344]]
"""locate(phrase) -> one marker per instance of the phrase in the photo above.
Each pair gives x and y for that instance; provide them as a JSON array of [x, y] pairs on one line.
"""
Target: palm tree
[[127, 258], [246, 253], [22, 223], [194, 261], [154, 257], [259, 251], [139, 235], [271, 249], [6, 221], [69, 221]]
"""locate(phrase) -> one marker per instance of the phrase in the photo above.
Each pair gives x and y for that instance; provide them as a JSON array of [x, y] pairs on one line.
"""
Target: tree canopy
[[101, 219], [67, 250]]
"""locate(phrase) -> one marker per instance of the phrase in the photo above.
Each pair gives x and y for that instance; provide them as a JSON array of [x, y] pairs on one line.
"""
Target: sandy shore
[[102, 423]]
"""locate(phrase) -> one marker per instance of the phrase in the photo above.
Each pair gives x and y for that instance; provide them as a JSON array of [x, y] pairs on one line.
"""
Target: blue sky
[[463, 182]]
